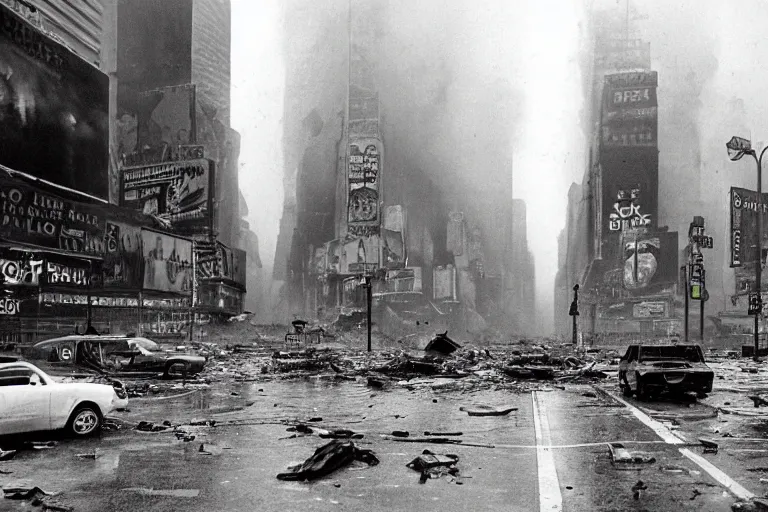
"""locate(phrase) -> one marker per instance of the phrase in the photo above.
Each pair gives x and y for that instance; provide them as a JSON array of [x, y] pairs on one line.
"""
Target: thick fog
[[487, 101]]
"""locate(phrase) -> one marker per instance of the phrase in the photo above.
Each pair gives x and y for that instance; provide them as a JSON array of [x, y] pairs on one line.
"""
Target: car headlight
[[119, 388]]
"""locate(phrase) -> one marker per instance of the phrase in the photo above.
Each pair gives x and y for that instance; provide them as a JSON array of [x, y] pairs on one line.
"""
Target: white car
[[31, 401]]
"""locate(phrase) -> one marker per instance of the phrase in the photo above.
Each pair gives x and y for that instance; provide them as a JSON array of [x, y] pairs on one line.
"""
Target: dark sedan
[[115, 355], [647, 370]]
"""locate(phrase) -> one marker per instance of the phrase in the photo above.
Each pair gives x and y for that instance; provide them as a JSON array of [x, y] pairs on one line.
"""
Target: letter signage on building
[[363, 216], [29, 215], [744, 226], [630, 116], [179, 192]]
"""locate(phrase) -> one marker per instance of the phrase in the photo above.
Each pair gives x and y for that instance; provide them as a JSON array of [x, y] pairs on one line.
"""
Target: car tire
[[85, 421]]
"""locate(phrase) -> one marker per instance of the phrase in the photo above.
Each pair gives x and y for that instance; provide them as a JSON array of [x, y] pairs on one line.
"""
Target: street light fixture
[[738, 147]]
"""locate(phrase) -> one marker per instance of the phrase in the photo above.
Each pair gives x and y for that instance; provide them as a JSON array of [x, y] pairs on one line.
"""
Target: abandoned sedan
[[647, 370], [115, 355], [32, 401]]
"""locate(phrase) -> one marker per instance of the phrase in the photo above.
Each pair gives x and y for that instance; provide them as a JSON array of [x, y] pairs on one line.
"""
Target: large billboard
[[649, 261], [363, 179], [179, 192], [744, 226], [630, 110], [630, 182], [167, 262], [54, 121], [158, 126]]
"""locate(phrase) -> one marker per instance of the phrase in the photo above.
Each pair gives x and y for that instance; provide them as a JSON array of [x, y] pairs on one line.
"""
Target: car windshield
[[688, 353]]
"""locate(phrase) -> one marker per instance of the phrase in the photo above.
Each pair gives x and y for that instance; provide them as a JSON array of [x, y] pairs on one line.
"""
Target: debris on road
[[43, 445], [709, 445], [91, 455], [639, 486], [146, 426], [620, 455], [327, 459], [172, 493], [487, 410], [754, 505], [431, 465], [7, 454], [442, 344], [24, 493]]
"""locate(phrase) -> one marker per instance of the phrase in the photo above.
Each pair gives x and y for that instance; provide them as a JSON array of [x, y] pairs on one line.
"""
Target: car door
[[27, 401], [629, 373]]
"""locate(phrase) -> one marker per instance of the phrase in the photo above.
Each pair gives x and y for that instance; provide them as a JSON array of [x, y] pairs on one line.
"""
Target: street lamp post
[[366, 283], [737, 148]]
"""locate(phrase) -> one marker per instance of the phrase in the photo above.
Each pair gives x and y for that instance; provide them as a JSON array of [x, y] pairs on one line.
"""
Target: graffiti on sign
[[363, 185], [9, 306], [626, 212], [179, 192], [165, 323], [15, 272], [58, 274], [122, 256]]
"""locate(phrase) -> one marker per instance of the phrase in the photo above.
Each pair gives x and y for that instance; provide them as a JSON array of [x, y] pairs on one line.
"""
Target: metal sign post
[[574, 312], [696, 276]]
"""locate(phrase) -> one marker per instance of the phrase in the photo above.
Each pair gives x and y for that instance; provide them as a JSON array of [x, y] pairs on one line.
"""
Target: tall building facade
[[625, 262], [177, 154], [364, 198]]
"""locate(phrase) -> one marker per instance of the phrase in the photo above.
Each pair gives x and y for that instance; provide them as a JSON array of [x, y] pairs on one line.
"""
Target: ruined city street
[[555, 450]]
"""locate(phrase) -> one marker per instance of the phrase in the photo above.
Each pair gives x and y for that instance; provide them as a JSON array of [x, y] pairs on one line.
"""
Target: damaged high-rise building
[[376, 186]]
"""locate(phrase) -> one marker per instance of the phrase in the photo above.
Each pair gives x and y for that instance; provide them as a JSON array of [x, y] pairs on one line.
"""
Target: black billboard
[[54, 120]]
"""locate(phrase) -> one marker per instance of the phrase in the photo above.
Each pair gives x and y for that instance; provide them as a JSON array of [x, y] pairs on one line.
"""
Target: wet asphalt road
[[157, 472]]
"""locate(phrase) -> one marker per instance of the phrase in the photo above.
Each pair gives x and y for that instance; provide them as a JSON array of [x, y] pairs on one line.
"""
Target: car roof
[[17, 364], [668, 345], [82, 337]]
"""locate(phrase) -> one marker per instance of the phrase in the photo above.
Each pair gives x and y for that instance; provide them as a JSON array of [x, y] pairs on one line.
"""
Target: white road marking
[[550, 498], [670, 438]]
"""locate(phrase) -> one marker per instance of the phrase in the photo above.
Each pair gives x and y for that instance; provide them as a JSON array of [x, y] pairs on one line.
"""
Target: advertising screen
[[54, 121], [167, 262]]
